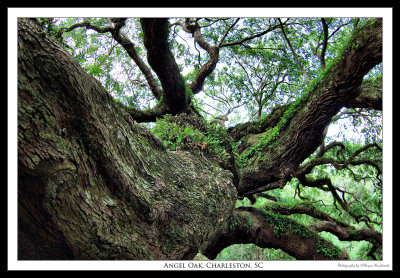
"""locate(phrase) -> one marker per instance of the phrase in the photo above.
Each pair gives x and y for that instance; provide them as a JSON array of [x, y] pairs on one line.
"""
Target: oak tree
[[95, 183]]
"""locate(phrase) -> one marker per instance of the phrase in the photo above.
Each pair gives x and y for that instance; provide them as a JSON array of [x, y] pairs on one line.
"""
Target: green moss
[[272, 135], [354, 233], [183, 136], [170, 244], [188, 91], [269, 139], [279, 223], [328, 249], [283, 226]]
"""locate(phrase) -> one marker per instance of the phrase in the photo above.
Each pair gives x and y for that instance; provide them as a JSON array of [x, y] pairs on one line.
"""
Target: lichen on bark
[[92, 183]]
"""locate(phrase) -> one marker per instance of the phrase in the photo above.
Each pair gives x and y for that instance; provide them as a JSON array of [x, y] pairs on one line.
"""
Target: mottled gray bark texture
[[92, 183], [269, 230], [302, 125]]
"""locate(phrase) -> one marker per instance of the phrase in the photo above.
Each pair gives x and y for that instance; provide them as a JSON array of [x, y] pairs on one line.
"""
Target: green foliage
[[252, 252], [282, 225], [186, 137], [174, 136], [106, 60], [268, 139], [259, 75], [328, 250]]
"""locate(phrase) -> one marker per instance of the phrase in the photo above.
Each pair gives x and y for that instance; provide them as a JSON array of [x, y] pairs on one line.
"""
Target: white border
[[14, 13], [204, 12]]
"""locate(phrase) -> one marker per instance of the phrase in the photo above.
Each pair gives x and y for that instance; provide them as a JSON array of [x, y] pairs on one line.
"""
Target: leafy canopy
[[264, 63]]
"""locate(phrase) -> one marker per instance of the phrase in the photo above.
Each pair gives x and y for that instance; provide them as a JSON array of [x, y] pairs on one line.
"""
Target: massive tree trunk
[[92, 183]]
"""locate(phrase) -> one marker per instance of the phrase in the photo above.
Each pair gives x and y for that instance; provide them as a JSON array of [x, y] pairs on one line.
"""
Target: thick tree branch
[[127, 44], [370, 96], [348, 233], [338, 228], [174, 99], [301, 208], [162, 61], [150, 115], [213, 51], [250, 225], [87, 25], [301, 134], [324, 44], [244, 129]]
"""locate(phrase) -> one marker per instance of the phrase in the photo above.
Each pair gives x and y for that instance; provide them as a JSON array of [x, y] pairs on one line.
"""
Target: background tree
[[97, 185]]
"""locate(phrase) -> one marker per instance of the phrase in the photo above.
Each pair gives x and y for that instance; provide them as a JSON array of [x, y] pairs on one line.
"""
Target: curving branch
[[128, 45], [294, 52], [340, 163], [267, 230], [193, 27], [173, 98], [301, 129], [327, 185], [248, 38], [343, 231], [370, 96], [348, 233], [162, 61]]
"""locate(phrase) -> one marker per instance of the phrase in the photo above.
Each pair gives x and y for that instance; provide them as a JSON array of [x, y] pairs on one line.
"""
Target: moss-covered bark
[[269, 230], [93, 184], [300, 129]]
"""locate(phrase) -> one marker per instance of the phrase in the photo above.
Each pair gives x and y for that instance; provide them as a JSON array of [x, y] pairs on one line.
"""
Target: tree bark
[[266, 230], [303, 131], [93, 184], [160, 58]]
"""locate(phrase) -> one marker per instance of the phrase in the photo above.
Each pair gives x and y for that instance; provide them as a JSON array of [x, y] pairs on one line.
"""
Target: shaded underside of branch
[[343, 231], [348, 233], [268, 230], [93, 184], [303, 133], [370, 96]]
